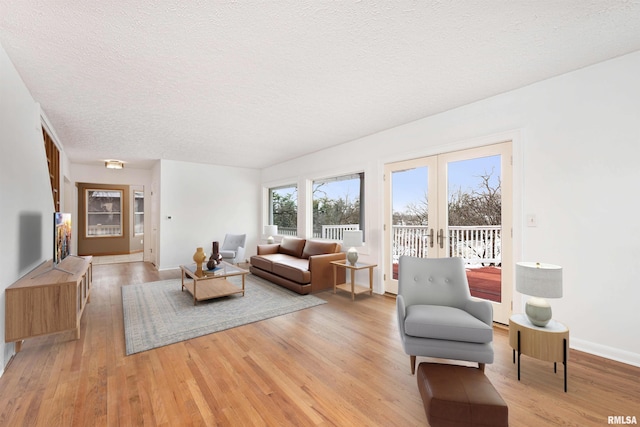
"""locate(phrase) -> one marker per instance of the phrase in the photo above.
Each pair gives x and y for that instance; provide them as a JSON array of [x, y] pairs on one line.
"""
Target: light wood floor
[[337, 364]]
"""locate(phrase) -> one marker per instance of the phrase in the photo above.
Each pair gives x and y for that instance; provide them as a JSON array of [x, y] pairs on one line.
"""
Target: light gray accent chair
[[233, 248], [437, 316]]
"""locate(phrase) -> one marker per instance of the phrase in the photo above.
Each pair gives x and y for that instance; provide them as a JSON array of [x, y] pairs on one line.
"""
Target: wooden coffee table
[[213, 284]]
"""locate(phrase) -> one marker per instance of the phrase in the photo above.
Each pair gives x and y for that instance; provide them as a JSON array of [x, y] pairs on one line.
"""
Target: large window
[[104, 213], [283, 209], [336, 205]]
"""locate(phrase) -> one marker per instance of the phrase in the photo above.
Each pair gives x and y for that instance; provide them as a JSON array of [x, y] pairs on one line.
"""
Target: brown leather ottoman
[[460, 396]]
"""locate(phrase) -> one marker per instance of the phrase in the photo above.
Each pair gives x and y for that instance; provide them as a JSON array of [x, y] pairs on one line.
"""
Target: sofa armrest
[[321, 270], [323, 261], [268, 249]]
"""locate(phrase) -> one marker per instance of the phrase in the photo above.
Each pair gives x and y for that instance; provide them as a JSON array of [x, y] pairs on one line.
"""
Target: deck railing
[[335, 232], [410, 240], [479, 244], [287, 231], [329, 232], [476, 244], [104, 230]]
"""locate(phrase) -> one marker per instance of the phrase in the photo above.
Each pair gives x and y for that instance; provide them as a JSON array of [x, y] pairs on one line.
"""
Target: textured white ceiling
[[254, 83]]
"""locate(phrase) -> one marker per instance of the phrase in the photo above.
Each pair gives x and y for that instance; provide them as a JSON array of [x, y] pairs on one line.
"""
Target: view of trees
[[285, 209], [329, 211], [480, 206]]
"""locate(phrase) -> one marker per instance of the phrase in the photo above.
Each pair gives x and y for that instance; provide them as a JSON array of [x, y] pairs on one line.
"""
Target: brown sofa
[[298, 264]]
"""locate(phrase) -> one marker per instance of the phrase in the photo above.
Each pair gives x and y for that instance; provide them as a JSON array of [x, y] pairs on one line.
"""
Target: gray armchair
[[437, 316], [233, 248]]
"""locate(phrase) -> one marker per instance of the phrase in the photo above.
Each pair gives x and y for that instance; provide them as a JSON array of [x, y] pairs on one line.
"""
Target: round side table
[[549, 343]]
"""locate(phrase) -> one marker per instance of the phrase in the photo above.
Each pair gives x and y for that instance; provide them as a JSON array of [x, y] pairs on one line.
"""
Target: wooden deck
[[485, 282]]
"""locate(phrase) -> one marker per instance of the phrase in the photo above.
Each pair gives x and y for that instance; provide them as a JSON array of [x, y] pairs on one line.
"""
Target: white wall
[[26, 204], [576, 151], [205, 202]]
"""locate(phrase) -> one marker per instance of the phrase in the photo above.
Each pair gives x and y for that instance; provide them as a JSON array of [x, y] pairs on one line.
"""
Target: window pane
[[336, 206], [283, 209], [138, 199], [138, 213], [104, 213]]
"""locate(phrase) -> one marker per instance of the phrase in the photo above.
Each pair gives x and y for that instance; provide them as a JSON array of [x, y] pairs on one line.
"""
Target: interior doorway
[[454, 204], [110, 219]]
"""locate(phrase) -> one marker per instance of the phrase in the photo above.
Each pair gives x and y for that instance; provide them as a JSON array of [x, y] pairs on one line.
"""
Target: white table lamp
[[539, 281], [352, 239], [270, 231]]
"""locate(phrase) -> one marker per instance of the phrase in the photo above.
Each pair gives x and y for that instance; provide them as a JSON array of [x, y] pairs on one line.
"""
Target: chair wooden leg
[[481, 366], [413, 364]]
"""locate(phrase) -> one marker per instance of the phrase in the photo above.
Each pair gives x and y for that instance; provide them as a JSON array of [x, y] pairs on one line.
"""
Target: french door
[[454, 204]]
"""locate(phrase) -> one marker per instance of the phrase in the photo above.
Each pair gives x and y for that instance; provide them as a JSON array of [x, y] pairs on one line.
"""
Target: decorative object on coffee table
[[215, 257], [199, 257]]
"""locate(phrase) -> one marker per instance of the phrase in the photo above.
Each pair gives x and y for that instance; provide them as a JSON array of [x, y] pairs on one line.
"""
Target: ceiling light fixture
[[114, 164]]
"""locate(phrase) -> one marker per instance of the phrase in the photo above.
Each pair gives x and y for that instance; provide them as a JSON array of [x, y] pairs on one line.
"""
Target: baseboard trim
[[607, 352]]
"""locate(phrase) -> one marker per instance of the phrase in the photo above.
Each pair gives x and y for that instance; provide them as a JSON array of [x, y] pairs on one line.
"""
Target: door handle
[[441, 238], [431, 238]]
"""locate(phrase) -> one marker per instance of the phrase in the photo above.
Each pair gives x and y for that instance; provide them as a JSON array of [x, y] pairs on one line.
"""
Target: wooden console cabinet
[[47, 301]]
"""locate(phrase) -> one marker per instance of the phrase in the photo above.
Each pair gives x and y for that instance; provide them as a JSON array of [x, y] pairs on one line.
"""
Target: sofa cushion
[[448, 323], [292, 246], [315, 247], [296, 269], [265, 262]]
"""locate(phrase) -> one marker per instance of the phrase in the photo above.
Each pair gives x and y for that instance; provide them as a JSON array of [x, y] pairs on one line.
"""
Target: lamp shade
[[270, 230], [351, 238], [539, 280]]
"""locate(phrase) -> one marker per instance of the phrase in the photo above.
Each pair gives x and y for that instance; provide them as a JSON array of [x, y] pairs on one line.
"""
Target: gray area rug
[[159, 313]]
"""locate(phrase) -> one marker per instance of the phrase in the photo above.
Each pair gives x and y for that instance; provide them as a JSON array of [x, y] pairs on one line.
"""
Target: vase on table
[[199, 257], [215, 257]]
